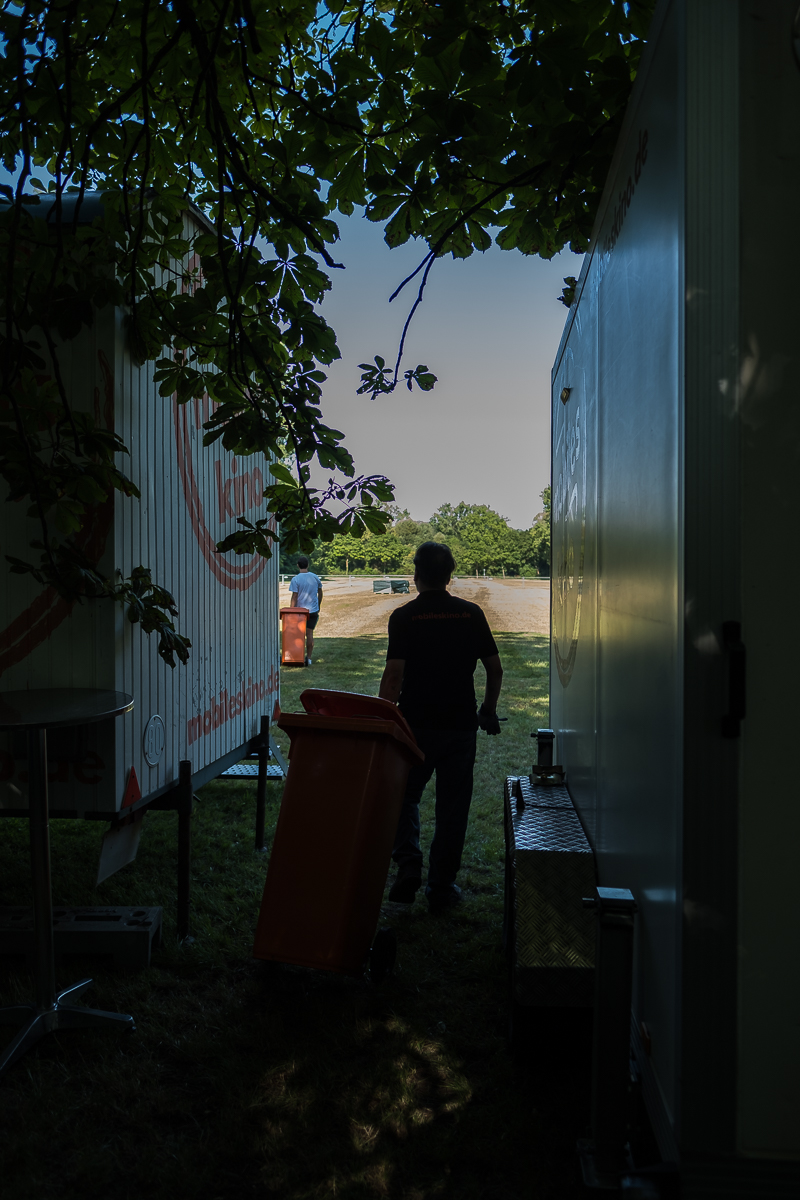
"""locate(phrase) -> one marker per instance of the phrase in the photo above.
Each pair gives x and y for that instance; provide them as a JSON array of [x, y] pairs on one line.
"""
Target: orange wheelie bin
[[348, 764], [293, 636]]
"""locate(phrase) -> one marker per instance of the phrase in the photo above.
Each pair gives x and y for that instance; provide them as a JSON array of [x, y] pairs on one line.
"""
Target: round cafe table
[[34, 712]]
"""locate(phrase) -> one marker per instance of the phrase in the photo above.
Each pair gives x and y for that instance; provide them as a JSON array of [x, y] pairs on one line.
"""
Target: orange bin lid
[[352, 704], [286, 611], [373, 726]]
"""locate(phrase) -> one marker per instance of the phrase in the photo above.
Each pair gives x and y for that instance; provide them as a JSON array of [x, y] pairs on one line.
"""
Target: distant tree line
[[480, 539]]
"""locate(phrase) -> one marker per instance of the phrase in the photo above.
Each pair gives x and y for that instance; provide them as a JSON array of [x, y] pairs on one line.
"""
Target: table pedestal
[[50, 1010]]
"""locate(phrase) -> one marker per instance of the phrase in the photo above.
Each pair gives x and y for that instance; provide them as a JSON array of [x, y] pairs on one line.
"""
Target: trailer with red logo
[[205, 714]]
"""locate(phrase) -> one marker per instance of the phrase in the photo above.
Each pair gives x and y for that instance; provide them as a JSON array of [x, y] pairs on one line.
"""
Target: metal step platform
[[249, 770], [127, 935], [548, 935]]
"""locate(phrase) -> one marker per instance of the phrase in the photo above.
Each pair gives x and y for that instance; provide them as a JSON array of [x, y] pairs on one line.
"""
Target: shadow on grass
[[281, 1082], [245, 1079]]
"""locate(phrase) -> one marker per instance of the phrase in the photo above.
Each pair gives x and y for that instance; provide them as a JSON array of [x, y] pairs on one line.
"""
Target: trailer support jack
[[604, 1157]]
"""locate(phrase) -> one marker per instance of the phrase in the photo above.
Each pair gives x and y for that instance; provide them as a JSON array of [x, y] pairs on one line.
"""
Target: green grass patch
[[244, 1080]]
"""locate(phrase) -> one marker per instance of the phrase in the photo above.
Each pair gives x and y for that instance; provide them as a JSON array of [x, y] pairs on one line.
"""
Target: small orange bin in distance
[[293, 636], [348, 766]]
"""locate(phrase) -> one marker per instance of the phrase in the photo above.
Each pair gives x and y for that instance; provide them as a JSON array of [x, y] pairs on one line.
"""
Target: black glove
[[488, 722]]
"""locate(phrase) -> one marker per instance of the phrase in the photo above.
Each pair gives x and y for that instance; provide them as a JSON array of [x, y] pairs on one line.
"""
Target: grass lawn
[[248, 1080]]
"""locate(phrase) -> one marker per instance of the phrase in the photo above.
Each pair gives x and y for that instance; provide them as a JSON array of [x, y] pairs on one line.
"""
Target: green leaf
[[283, 474], [349, 182], [383, 206]]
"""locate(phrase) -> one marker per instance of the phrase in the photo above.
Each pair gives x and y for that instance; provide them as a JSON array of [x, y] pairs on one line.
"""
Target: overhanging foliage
[[451, 122]]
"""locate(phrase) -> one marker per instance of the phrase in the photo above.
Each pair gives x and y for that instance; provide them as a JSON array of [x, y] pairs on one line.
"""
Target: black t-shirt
[[441, 639]]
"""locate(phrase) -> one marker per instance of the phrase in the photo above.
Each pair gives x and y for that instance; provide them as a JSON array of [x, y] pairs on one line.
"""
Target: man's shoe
[[405, 888], [308, 662], [441, 897]]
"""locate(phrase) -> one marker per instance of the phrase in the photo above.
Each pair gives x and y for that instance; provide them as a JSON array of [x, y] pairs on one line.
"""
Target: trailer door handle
[[734, 649]]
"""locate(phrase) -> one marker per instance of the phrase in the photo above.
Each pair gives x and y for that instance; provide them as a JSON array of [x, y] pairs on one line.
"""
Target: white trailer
[[206, 713], [676, 441]]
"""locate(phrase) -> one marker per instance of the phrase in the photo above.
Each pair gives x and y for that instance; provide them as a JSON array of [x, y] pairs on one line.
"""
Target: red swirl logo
[[48, 610], [229, 492]]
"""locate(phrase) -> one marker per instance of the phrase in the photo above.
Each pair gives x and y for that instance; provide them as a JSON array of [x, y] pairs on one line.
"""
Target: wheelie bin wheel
[[382, 955]]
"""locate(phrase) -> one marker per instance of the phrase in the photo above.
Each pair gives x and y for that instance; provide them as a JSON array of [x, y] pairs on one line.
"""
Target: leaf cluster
[[451, 121]]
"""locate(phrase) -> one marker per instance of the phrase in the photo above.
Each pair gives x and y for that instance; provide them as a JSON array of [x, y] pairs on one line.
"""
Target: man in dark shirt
[[435, 642]]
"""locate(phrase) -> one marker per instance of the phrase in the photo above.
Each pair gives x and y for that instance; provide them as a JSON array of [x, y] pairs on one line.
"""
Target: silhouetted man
[[435, 643]]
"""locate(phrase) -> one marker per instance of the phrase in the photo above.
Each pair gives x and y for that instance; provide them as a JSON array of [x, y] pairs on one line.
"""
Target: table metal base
[[33, 711], [62, 1015]]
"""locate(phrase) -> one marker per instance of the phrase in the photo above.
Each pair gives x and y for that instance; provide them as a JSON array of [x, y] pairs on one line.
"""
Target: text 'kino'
[[238, 491]]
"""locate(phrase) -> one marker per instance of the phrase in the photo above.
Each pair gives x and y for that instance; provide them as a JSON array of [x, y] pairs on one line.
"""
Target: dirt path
[[351, 609]]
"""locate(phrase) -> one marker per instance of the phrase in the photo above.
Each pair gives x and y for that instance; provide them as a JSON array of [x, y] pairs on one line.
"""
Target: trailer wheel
[[382, 955]]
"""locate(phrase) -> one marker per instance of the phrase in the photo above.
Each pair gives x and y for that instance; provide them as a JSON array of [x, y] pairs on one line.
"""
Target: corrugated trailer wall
[[228, 603], [190, 499]]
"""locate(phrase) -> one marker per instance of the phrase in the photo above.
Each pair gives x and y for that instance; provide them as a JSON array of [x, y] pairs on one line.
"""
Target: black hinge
[[737, 678]]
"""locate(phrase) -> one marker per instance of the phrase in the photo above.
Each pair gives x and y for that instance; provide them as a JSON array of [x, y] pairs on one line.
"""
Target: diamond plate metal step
[[246, 770], [549, 936]]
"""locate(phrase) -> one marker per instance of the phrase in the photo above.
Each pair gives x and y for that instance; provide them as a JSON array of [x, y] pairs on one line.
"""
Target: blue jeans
[[451, 754]]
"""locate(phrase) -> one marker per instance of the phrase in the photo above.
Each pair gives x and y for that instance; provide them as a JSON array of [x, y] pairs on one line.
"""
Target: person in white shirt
[[305, 591]]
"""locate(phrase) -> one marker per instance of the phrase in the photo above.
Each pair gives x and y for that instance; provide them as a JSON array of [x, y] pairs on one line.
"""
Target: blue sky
[[489, 327]]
